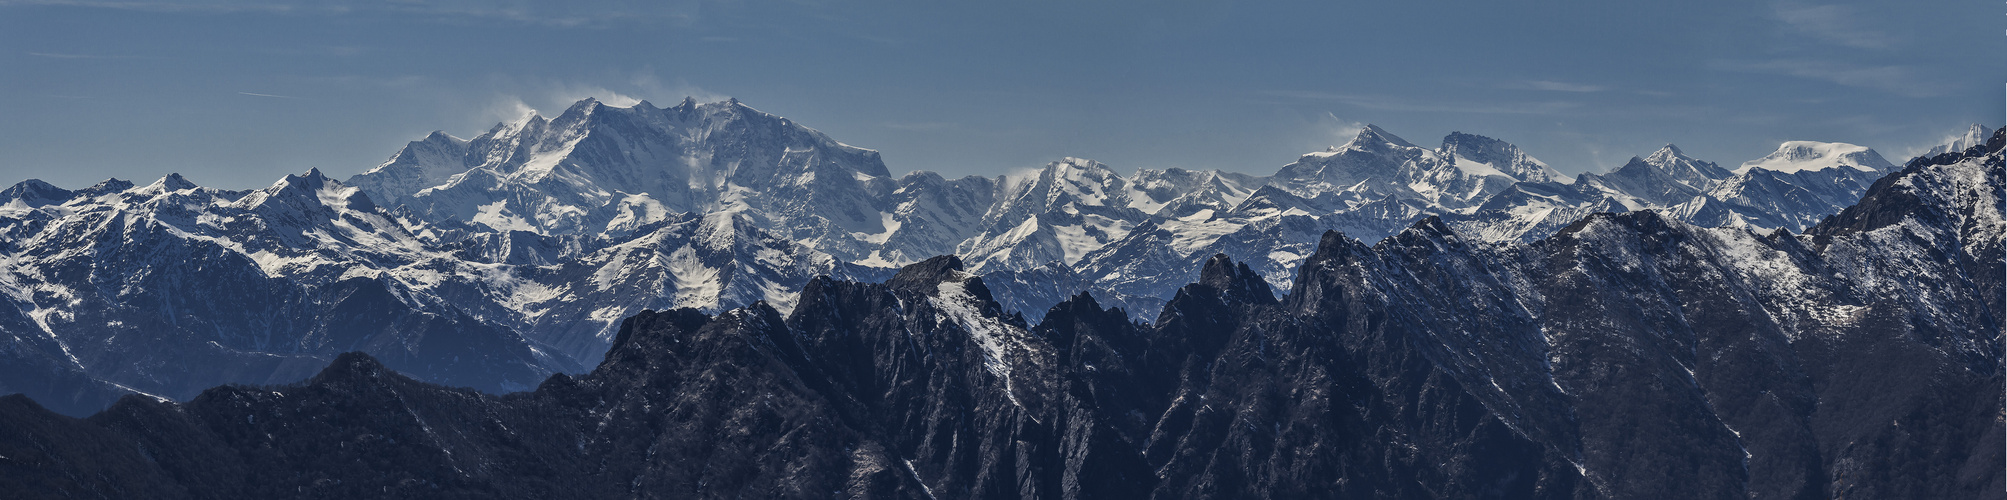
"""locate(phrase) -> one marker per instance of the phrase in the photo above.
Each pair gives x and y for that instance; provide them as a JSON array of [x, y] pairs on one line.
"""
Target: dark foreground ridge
[[1629, 356]]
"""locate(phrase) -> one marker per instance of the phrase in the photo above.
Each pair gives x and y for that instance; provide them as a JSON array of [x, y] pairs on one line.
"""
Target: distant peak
[[1460, 136], [926, 276], [1974, 136], [1666, 156], [1235, 280], [584, 105], [175, 182], [1460, 140], [34, 192], [1374, 135], [351, 369], [1079, 163], [312, 180], [111, 185], [1799, 156]]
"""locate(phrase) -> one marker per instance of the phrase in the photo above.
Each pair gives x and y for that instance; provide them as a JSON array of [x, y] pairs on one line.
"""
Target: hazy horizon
[[237, 94]]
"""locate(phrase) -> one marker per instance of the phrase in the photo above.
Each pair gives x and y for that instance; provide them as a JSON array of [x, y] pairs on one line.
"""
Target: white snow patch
[[1808, 156], [993, 335]]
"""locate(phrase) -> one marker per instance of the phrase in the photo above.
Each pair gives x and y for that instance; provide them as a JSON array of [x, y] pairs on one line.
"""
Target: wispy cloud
[[585, 13], [1553, 86], [370, 81], [923, 126], [648, 83], [507, 109], [576, 92], [1334, 130], [275, 96], [1389, 103], [1896, 79], [165, 5], [60, 55], [1918, 149], [1836, 24], [517, 98]]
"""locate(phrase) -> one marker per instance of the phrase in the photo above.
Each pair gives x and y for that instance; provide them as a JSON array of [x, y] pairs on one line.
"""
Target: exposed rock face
[[515, 254], [1629, 356]]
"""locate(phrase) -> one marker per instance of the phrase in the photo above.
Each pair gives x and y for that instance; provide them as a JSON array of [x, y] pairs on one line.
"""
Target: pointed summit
[[1235, 281], [174, 182], [108, 186], [1665, 155], [1974, 136], [35, 193], [926, 276], [1373, 135], [1686, 169], [310, 181], [579, 112], [441, 135]]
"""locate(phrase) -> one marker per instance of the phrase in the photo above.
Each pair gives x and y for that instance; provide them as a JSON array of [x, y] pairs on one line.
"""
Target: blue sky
[[237, 93]]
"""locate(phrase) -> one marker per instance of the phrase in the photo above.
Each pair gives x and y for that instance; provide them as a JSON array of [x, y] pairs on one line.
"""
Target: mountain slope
[[546, 175], [499, 259], [1628, 356], [170, 288]]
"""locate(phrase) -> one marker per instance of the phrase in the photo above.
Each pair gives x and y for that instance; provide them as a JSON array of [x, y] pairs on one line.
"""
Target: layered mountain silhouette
[[1627, 355], [496, 261]]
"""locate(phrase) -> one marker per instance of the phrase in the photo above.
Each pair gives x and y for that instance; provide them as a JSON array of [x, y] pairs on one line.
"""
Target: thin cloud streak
[[1835, 24], [1386, 103], [922, 126], [550, 13], [58, 55], [275, 96], [221, 7], [1553, 86], [1895, 79]]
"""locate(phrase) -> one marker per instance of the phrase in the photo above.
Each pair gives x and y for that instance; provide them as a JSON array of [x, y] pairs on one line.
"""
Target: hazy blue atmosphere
[[237, 93]]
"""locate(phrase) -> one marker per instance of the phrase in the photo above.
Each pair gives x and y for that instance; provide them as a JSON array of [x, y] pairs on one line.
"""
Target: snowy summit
[[1809, 156]]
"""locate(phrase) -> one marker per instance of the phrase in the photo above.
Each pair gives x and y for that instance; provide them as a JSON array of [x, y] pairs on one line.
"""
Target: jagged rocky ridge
[[1628, 356], [514, 254], [170, 288]]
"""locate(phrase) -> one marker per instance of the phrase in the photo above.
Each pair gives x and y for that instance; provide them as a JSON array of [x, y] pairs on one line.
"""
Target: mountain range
[[496, 261], [1628, 354]]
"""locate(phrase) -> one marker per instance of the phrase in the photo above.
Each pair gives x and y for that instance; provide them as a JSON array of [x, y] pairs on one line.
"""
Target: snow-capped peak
[[442, 136], [1973, 136], [172, 182], [1482, 156], [1687, 169], [1666, 155], [1373, 136], [1807, 156]]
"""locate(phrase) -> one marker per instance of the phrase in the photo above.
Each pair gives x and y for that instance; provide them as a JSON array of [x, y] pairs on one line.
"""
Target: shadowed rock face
[[1629, 356]]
